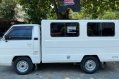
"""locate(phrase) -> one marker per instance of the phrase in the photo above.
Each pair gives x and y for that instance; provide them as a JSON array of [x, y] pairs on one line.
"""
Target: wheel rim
[[22, 66], [90, 65]]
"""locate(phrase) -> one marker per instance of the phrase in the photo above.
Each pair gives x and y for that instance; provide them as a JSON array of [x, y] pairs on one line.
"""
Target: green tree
[[7, 9], [109, 15], [37, 9], [96, 8]]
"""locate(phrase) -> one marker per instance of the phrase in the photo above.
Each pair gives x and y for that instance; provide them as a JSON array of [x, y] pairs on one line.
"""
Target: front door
[[18, 41]]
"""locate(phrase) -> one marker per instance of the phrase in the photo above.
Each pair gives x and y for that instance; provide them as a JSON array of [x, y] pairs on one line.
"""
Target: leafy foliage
[[37, 9], [7, 9], [100, 9]]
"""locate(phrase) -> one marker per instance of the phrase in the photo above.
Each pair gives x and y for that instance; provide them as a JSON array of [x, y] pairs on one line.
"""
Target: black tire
[[95, 63], [27, 61], [34, 67]]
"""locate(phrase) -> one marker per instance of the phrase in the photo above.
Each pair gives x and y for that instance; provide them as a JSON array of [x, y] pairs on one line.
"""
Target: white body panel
[[73, 49], [12, 48], [48, 49]]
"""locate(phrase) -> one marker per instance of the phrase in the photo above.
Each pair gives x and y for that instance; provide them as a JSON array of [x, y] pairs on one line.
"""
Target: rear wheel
[[90, 64], [23, 65]]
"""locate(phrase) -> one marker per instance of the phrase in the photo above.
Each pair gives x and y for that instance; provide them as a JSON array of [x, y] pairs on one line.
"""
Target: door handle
[[35, 38]]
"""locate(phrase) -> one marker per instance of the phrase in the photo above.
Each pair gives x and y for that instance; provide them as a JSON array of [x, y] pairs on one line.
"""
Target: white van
[[89, 42]]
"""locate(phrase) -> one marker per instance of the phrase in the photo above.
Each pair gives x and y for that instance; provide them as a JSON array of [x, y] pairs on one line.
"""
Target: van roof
[[96, 20], [26, 25]]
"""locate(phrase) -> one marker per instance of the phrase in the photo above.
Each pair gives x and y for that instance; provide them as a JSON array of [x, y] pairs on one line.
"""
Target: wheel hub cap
[[90, 65], [22, 66]]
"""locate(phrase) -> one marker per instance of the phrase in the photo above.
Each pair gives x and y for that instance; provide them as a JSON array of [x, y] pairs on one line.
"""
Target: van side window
[[64, 29], [100, 29], [20, 33]]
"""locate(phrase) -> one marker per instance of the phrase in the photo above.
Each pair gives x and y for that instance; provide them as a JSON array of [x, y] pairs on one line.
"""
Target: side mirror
[[6, 37]]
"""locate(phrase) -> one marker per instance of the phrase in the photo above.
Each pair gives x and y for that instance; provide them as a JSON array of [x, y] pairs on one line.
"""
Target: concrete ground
[[63, 71]]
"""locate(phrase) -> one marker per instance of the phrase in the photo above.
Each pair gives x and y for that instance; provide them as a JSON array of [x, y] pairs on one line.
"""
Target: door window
[[20, 33]]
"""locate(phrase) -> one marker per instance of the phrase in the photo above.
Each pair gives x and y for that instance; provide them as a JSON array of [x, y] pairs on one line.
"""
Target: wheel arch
[[15, 57], [96, 56]]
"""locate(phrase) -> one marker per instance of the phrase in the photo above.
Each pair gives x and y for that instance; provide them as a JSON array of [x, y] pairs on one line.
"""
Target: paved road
[[63, 71]]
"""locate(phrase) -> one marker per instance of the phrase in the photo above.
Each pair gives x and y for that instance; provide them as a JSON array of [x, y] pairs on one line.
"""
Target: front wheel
[[90, 64], [23, 65]]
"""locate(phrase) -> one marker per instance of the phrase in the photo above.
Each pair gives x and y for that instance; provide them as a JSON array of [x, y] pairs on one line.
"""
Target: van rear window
[[100, 29]]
